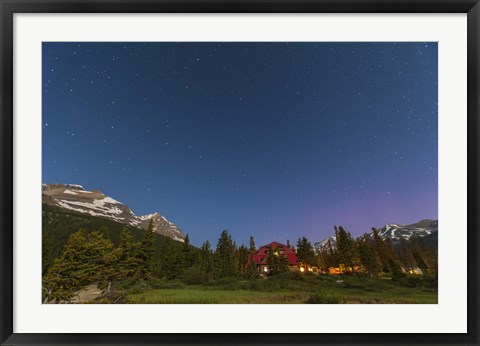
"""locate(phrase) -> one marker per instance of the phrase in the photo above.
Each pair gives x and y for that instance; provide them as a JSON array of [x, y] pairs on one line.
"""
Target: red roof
[[260, 257]]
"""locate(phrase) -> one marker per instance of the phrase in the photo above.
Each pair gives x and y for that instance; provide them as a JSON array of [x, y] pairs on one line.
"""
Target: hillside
[[58, 224], [74, 198]]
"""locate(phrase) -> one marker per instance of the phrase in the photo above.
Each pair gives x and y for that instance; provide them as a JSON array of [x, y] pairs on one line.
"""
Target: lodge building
[[261, 256]]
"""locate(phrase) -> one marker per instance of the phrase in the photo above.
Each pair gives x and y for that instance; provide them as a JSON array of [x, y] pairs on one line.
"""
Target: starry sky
[[275, 140]]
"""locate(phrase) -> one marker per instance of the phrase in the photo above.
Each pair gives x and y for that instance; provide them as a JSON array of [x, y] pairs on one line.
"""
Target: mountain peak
[[62, 186], [75, 198], [393, 231]]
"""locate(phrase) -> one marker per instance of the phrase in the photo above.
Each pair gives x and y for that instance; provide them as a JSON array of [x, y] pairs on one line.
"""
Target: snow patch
[[65, 205], [75, 186], [110, 200], [97, 205], [70, 192], [147, 217]]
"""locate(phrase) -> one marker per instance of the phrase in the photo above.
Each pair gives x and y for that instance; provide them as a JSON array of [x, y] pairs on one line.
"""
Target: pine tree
[[242, 256], [305, 253], [332, 255], [83, 261], [225, 261], [187, 258], [346, 249], [170, 259], [381, 251], [146, 252], [252, 270], [420, 254], [395, 269], [47, 245], [367, 257], [206, 256], [128, 258], [251, 247], [405, 255], [277, 261]]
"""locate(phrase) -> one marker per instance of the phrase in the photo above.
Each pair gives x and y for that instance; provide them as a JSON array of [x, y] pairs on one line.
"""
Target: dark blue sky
[[274, 140]]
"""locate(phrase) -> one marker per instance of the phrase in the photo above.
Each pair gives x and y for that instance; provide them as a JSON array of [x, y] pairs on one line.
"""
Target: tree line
[[91, 258], [378, 255]]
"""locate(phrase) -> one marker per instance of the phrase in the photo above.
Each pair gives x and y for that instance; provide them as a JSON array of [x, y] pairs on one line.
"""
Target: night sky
[[274, 140]]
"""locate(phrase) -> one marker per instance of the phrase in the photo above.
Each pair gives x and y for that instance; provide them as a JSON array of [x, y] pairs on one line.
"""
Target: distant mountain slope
[[326, 243], [397, 232], [58, 224], [427, 229], [75, 198]]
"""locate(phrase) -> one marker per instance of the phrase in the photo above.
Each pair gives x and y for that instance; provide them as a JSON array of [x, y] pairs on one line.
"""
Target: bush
[[322, 298], [329, 278], [427, 281], [229, 283], [129, 283], [111, 297], [163, 283], [157, 283], [367, 284], [139, 287], [430, 281], [289, 275], [194, 276], [412, 281]]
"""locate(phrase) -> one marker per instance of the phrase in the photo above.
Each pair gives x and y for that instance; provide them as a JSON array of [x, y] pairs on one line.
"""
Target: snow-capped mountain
[[393, 231], [324, 244], [397, 232], [75, 198]]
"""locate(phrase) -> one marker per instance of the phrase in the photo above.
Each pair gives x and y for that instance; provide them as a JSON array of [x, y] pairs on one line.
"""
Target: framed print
[[239, 173]]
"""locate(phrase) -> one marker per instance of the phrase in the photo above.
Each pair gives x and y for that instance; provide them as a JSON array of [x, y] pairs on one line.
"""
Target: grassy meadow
[[123, 265], [288, 288]]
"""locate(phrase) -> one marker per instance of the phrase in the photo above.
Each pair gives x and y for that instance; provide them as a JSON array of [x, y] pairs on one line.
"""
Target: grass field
[[199, 296], [316, 290]]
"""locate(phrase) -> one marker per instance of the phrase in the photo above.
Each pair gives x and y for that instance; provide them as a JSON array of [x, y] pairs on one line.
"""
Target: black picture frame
[[10, 7]]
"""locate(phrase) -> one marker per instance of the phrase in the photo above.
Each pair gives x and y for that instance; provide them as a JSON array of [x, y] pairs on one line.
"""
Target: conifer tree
[[242, 256], [305, 253], [251, 247], [346, 249], [395, 269], [367, 257], [277, 261], [169, 260], [252, 271], [381, 251], [225, 261], [187, 258], [82, 262], [406, 255], [389, 248], [206, 259], [420, 254], [128, 259], [47, 245], [146, 252], [331, 255]]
